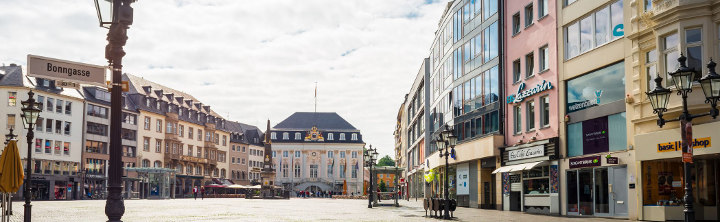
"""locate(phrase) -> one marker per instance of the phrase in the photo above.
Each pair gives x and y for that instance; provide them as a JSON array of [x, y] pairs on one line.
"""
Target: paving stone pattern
[[296, 209]]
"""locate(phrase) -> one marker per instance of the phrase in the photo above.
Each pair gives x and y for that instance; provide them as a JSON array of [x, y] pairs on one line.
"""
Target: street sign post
[[66, 71]]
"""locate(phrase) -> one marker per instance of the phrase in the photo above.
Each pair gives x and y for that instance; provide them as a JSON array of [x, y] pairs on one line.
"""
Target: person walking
[[202, 193], [195, 190]]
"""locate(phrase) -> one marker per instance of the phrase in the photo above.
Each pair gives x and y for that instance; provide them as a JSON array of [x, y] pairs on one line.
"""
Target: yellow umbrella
[[11, 170]]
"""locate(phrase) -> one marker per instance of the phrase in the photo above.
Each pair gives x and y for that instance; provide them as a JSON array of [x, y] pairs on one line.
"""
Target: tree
[[383, 187], [386, 161]]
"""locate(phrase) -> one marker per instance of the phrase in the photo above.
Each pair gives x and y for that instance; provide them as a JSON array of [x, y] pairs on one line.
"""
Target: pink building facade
[[529, 166]]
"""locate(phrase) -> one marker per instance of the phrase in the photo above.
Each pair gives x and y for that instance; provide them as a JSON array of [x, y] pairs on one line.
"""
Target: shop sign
[[531, 152], [613, 160], [520, 95], [675, 146], [590, 161]]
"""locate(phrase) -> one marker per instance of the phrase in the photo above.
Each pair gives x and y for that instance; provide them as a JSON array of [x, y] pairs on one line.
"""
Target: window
[[224, 140], [693, 48], [48, 146], [97, 129], [182, 131], [146, 144], [39, 124], [67, 128], [147, 123], [297, 153], [48, 125], [516, 70], [41, 99], [542, 8], [297, 136], [313, 171], [66, 148], [50, 106], [97, 111], [594, 30], [545, 111], [568, 2], [273, 136], [651, 68], [128, 134], [353, 154], [529, 64], [518, 119], [544, 61], [199, 134], [530, 115], [12, 98], [146, 163], [96, 147], [670, 55], [297, 170], [158, 126], [59, 105], [342, 154], [38, 145], [342, 171], [354, 171], [190, 133], [528, 15], [490, 7], [516, 23], [10, 121], [490, 45], [158, 145], [648, 5], [285, 153], [330, 136], [286, 135], [330, 154], [330, 170], [342, 136], [354, 136]]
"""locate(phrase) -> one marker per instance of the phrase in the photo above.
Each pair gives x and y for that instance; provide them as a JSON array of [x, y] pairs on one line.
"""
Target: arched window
[[273, 136], [297, 136], [244, 175], [157, 164], [189, 170], [354, 136], [179, 168], [297, 170], [330, 136], [342, 136], [198, 170], [215, 172], [222, 173], [286, 135]]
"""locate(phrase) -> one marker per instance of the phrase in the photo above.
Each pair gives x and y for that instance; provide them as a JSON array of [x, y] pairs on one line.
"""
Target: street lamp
[[10, 136], [30, 113], [118, 18], [370, 156], [683, 79], [446, 142]]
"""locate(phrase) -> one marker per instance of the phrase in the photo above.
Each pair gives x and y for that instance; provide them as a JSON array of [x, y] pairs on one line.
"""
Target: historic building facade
[[58, 132], [241, 136], [317, 152], [95, 153], [658, 33], [529, 166]]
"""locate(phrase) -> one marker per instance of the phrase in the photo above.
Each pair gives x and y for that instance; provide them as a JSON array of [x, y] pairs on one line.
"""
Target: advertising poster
[[463, 179], [595, 135]]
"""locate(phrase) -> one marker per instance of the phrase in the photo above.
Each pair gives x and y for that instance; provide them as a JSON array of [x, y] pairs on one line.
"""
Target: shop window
[[536, 181]]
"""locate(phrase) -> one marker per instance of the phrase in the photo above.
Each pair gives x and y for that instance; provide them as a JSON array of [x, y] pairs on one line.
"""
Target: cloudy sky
[[250, 60]]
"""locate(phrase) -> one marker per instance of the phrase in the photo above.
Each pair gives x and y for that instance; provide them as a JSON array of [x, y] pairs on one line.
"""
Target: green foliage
[[383, 187], [386, 161]]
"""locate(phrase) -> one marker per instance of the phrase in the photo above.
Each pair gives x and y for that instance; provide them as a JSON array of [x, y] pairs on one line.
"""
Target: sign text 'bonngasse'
[[66, 71]]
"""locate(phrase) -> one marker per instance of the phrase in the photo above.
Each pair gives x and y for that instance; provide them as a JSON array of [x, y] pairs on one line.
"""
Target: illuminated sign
[[522, 94]]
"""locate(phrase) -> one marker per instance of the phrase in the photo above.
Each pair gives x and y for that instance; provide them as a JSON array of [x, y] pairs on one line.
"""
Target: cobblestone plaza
[[262, 210]]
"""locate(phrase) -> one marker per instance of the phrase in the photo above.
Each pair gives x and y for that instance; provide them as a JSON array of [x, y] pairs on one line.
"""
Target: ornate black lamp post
[[118, 20], [446, 142], [683, 79], [31, 111], [370, 155], [9, 136]]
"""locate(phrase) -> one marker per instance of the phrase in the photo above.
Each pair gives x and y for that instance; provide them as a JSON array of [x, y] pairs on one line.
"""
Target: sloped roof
[[11, 76], [323, 121]]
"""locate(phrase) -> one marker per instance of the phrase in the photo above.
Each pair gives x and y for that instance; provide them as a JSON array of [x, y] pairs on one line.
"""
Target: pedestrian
[[195, 190], [202, 193]]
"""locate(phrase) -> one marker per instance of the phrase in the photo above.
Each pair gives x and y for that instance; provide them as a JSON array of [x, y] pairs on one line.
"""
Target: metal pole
[[447, 190], [370, 185], [117, 37], [28, 175], [686, 134]]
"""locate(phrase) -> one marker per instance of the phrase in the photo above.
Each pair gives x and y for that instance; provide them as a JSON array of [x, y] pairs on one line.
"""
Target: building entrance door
[[597, 192], [585, 192]]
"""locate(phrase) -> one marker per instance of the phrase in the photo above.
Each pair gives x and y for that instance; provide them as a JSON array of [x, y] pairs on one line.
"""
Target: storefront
[[599, 163], [661, 186], [530, 177], [156, 183]]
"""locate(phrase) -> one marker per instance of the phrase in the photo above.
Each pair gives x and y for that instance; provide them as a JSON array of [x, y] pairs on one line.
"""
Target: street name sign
[[64, 84], [66, 71]]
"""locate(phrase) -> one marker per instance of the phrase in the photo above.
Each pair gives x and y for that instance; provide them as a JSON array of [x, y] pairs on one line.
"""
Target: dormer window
[[330, 136], [147, 102], [273, 136], [180, 112], [354, 136], [286, 135], [342, 136], [297, 136], [157, 105]]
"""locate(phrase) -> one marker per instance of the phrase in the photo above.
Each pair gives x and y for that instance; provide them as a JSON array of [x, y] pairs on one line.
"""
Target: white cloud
[[253, 60]]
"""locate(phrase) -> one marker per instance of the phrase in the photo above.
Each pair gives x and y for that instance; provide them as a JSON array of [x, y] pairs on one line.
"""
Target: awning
[[519, 167]]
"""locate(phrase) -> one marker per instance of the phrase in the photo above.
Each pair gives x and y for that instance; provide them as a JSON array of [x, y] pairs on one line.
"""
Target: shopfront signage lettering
[[675, 146], [587, 103], [590, 161], [522, 94], [613, 160], [531, 152]]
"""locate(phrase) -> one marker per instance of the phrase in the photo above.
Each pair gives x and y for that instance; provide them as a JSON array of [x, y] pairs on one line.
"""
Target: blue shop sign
[[522, 94]]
